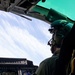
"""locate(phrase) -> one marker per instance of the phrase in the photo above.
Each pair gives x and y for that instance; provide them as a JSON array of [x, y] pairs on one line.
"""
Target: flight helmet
[[59, 29]]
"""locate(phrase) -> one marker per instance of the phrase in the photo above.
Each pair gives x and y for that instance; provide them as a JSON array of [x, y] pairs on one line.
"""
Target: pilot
[[65, 56], [59, 29]]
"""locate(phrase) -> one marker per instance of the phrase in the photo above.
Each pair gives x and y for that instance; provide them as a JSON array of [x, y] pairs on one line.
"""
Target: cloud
[[21, 38]]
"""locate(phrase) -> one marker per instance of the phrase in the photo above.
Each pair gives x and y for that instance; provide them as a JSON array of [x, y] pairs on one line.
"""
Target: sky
[[66, 7], [22, 38]]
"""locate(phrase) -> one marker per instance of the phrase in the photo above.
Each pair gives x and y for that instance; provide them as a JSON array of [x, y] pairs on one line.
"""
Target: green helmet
[[63, 27], [60, 29]]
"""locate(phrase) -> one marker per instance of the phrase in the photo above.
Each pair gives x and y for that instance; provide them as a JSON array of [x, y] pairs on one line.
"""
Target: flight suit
[[47, 66]]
